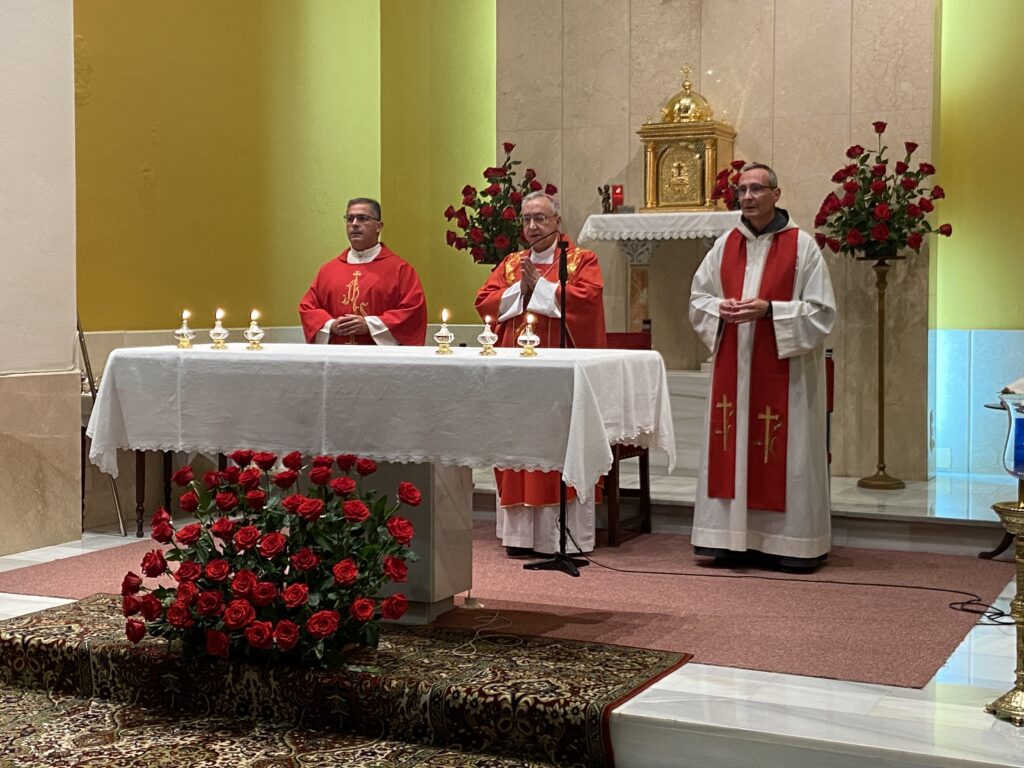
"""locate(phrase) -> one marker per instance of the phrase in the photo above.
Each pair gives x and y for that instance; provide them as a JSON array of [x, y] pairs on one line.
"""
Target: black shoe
[[519, 552], [726, 557], [796, 564]]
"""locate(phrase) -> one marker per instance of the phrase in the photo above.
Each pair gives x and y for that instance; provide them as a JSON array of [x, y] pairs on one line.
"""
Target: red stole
[[768, 406]]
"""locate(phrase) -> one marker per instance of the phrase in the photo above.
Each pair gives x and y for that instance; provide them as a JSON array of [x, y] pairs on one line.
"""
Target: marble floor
[[730, 718]]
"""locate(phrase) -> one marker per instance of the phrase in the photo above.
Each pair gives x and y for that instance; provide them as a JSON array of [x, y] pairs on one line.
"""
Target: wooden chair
[[619, 529]]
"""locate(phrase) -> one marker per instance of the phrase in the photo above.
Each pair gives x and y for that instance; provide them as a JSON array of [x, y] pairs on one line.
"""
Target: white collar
[[546, 256], [363, 257]]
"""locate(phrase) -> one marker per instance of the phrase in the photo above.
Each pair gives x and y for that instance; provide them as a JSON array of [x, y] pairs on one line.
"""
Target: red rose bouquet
[[489, 218], [725, 185], [880, 208], [268, 570]]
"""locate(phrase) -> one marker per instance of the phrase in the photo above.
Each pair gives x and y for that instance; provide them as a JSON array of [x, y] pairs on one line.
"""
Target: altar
[[437, 416]]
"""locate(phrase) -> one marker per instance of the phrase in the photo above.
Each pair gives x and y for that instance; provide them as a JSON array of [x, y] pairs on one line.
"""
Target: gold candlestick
[[219, 333], [528, 340], [184, 335], [444, 337], [487, 339], [254, 334]]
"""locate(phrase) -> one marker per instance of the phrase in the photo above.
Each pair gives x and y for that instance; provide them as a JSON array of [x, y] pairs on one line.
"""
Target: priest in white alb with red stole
[[367, 294], [526, 283], [762, 301]]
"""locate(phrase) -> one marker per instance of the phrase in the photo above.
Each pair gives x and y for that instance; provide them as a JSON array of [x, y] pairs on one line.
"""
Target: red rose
[[311, 509], [914, 240], [292, 461], [550, 189], [852, 185], [295, 595], [450, 237], [880, 233], [304, 560], [946, 229], [246, 537], [134, 630], [508, 213], [343, 486], [530, 174], [320, 475], [345, 572], [820, 219], [854, 237], [449, 212], [189, 501], [226, 501], [508, 146], [271, 544], [179, 616], [355, 511], [260, 635], [477, 254], [188, 570], [231, 474], [914, 212], [293, 502], [366, 466], [468, 190], [476, 235], [394, 607], [361, 609], [833, 245], [938, 192], [263, 593], [217, 643], [501, 241], [820, 239], [217, 570], [878, 169], [878, 186], [256, 499], [209, 603], [286, 478], [855, 151], [395, 568], [130, 605], [189, 534], [847, 200], [837, 177], [241, 458], [286, 634], [882, 212], [409, 494], [131, 583], [926, 168], [151, 607], [187, 592], [223, 528], [264, 460], [322, 624], [535, 186], [901, 167], [910, 147], [463, 221], [879, 126], [238, 614], [250, 478], [212, 479], [515, 197], [400, 529], [182, 477], [925, 204], [346, 461], [153, 563], [162, 533], [909, 183], [243, 583], [737, 164], [323, 461], [160, 516]]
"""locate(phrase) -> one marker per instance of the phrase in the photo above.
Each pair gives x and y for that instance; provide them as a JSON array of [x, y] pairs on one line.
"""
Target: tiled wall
[[801, 80]]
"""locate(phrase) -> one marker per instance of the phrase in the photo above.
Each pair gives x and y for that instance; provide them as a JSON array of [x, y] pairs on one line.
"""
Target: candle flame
[[220, 314], [185, 314], [254, 315], [529, 319], [444, 315], [487, 319]]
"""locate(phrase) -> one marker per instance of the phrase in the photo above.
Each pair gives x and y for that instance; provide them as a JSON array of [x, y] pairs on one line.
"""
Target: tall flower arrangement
[[880, 208], [488, 219], [266, 570]]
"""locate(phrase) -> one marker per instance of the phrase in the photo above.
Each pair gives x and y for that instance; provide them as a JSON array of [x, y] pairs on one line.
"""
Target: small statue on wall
[[606, 198]]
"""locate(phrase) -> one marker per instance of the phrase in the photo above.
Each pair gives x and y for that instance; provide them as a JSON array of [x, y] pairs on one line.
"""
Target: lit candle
[[444, 315], [487, 319], [185, 315], [529, 319], [254, 315], [219, 315], [618, 196]]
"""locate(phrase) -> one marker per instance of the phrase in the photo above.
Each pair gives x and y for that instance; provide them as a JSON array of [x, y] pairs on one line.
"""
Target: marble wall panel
[[663, 36], [891, 63], [595, 61], [737, 44], [671, 272], [756, 142], [807, 151], [40, 439], [591, 156], [812, 59], [538, 149], [615, 273], [529, 92]]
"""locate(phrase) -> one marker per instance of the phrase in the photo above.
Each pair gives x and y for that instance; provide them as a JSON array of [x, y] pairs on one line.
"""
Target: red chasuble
[[768, 407], [387, 287], [585, 328]]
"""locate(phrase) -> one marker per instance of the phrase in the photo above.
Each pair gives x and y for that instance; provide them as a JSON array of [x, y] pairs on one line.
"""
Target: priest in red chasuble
[[367, 295], [762, 301], [527, 283]]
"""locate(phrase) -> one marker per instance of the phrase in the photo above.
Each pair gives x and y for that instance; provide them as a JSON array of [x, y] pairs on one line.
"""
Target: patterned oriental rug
[[526, 698]]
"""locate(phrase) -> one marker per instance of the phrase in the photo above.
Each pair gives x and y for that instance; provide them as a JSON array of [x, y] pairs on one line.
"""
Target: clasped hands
[[528, 275], [350, 325], [742, 310]]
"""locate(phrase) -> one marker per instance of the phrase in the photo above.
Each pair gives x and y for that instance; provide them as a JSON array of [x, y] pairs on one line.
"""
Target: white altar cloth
[[558, 411], [681, 225]]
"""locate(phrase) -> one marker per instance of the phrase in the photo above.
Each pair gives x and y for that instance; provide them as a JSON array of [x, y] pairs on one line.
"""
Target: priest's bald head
[[757, 192], [363, 223]]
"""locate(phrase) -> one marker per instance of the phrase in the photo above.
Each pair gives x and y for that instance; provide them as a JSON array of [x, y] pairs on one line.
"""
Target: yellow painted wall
[[217, 143], [979, 283], [438, 98]]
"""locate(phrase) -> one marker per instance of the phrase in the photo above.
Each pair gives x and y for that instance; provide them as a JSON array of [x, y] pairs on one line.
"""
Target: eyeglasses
[[754, 189], [539, 219], [362, 218]]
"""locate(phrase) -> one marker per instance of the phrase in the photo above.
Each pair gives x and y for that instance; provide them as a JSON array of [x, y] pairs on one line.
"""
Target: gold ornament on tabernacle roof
[[683, 153]]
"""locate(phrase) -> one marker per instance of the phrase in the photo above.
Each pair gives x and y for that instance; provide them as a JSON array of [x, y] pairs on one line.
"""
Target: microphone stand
[[561, 561]]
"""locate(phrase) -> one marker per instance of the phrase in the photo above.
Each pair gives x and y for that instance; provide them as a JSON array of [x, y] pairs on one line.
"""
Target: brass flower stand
[[1010, 706]]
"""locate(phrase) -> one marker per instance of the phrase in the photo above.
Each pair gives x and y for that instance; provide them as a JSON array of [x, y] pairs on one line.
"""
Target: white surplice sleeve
[[706, 297], [802, 324]]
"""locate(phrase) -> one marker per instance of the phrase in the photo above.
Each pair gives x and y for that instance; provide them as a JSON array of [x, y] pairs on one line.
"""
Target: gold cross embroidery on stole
[[767, 416], [726, 407]]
